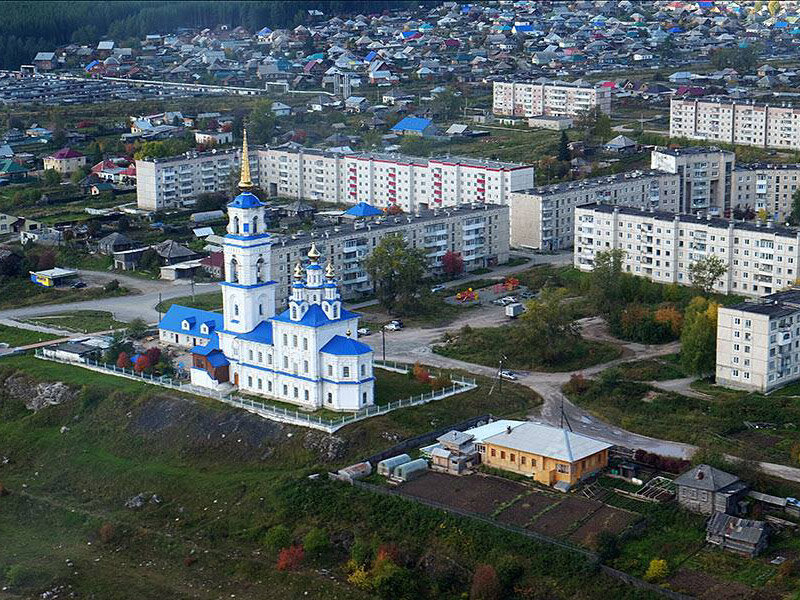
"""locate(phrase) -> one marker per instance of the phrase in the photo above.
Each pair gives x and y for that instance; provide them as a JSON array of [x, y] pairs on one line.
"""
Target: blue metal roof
[[213, 344], [262, 333], [362, 209], [217, 359], [345, 346], [412, 124], [314, 317], [173, 320], [246, 200]]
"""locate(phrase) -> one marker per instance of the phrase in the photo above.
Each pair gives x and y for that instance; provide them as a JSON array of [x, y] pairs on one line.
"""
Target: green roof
[[9, 166]]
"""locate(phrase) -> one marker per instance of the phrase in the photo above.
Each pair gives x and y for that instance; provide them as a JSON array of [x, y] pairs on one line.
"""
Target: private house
[[456, 453], [12, 171], [45, 61], [550, 455], [65, 161], [740, 536], [114, 242], [706, 490], [415, 126]]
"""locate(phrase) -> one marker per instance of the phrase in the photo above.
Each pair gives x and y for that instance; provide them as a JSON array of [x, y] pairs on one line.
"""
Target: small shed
[[741, 536], [356, 471], [387, 466], [411, 470]]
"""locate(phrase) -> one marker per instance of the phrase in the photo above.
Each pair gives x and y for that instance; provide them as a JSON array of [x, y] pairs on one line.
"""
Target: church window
[[261, 357], [285, 390], [269, 386], [296, 392], [186, 325], [336, 311], [285, 362], [294, 313], [235, 310], [250, 354], [345, 372], [305, 395], [330, 370], [234, 273], [305, 343], [269, 359], [305, 366], [364, 398], [363, 370], [249, 382], [294, 341], [259, 383], [255, 224], [261, 309], [330, 398], [236, 225], [260, 271], [285, 340]]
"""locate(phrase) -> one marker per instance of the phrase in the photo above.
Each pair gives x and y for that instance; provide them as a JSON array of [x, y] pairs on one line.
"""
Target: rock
[[155, 499], [38, 396], [64, 429], [137, 501], [328, 448]]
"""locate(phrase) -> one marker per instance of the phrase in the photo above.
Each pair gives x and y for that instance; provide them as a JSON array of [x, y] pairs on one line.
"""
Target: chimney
[[508, 429]]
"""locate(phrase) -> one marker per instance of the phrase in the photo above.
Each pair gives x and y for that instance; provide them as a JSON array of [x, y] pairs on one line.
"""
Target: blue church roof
[[261, 333], [173, 320], [314, 317], [345, 346], [213, 344], [246, 200], [362, 209]]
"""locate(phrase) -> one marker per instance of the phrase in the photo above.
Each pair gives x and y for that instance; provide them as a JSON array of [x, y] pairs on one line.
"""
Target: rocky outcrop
[[329, 448], [38, 396]]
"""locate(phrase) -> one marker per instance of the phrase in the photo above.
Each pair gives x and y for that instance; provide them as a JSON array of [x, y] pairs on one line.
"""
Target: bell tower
[[248, 293]]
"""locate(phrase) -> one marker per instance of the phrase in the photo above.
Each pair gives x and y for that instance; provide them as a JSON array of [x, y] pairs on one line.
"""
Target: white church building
[[307, 355]]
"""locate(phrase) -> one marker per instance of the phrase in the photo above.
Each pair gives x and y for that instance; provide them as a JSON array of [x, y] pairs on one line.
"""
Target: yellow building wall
[[542, 468]]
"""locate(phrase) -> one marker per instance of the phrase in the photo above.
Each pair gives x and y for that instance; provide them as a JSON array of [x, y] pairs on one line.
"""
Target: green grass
[[16, 336], [652, 369], [85, 321], [204, 301], [21, 293], [485, 346], [434, 313]]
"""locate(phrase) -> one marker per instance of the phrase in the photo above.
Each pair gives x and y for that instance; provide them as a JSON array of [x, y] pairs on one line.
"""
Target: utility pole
[[159, 307], [500, 376], [383, 338], [192, 289]]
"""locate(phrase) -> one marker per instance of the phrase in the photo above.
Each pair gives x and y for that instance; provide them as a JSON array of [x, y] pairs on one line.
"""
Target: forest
[[30, 27]]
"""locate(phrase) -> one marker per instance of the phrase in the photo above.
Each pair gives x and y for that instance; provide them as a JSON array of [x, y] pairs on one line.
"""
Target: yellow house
[[551, 455]]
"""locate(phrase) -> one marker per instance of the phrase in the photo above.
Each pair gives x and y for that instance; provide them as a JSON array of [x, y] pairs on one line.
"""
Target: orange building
[[550, 455]]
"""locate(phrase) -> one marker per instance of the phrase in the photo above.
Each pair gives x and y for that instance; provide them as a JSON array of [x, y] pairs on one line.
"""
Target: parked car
[[514, 310], [364, 331], [510, 375], [438, 288], [395, 325], [498, 302]]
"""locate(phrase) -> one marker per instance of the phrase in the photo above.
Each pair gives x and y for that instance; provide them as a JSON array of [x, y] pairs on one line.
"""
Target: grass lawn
[[204, 301], [652, 369], [485, 346], [85, 321], [437, 313], [15, 336], [19, 293]]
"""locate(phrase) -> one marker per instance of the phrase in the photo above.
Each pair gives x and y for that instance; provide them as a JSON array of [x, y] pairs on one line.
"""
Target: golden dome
[[298, 270], [314, 254], [329, 272]]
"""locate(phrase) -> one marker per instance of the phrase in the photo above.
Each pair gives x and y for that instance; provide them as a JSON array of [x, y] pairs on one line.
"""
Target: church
[[307, 355]]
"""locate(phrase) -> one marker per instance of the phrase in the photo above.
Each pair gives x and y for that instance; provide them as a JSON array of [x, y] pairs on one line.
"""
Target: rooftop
[[552, 442]]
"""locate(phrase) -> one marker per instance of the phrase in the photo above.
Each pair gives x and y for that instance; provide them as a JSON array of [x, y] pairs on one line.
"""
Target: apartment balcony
[[764, 268], [436, 253]]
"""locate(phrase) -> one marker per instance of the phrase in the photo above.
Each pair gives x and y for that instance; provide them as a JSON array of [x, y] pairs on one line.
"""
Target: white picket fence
[[279, 413]]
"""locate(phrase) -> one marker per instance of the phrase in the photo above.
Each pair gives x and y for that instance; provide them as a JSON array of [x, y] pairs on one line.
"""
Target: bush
[[290, 558], [106, 533], [420, 373], [485, 585], [123, 361], [316, 542], [606, 544], [278, 538], [3, 490], [657, 570], [361, 551], [111, 286], [440, 382], [577, 384]]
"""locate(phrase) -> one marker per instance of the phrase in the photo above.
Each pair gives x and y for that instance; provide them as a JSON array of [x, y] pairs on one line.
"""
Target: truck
[[514, 310]]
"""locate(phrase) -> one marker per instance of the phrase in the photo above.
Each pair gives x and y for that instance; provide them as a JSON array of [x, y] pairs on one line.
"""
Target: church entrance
[[236, 379]]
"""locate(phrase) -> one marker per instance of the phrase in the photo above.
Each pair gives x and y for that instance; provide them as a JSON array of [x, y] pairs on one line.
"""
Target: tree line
[[30, 27]]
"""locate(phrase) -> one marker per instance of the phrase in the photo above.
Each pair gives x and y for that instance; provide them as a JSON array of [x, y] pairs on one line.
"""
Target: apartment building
[[172, 181], [380, 179], [747, 122], [543, 97], [543, 218], [705, 177], [758, 342], [480, 233], [767, 187], [660, 246]]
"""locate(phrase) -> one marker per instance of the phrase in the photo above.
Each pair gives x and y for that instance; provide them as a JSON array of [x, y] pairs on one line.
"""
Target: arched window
[[294, 313], [255, 224], [260, 271], [236, 225], [235, 310], [234, 273], [330, 398]]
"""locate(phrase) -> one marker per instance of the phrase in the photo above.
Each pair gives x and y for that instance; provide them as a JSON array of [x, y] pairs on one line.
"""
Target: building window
[[296, 392], [261, 357], [305, 395], [364, 398], [285, 390], [512, 457], [294, 341], [285, 362], [305, 366], [493, 452], [522, 460], [561, 468], [249, 382], [250, 354], [502, 454], [330, 370], [259, 384], [345, 372], [305, 343]]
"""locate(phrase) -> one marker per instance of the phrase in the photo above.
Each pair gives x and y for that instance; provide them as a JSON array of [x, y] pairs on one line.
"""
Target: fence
[[279, 413]]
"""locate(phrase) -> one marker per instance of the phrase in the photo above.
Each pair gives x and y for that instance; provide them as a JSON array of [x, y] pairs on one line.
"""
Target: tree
[[657, 570], [142, 363], [794, 216], [137, 328], [699, 336], [278, 538], [485, 584], [452, 263], [605, 281], [150, 261], [123, 361], [78, 175], [261, 123], [397, 271], [448, 105], [51, 177], [563, 147], [290, 558], [316, 542], [704, 272], [546, 332], [594, 122]]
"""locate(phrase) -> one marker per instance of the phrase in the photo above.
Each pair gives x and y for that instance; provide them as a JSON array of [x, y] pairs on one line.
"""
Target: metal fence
[[279, 413]]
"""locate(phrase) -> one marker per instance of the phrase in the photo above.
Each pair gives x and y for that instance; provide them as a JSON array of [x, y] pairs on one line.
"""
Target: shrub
[[420, 373], [361, 551], [606, 544], [389, 552], [142, 363], [189, 561], [485, 585], [111, 286], [790, 568], [106, 533], [316, 542], [3, 490], [657, 570], [440, 382], [278, 538], [153, 354], [290, 558], [359, 578], [577, 384], [123, 361]]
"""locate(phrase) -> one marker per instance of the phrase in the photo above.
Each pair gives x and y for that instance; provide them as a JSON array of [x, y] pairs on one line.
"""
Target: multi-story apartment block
[[660, 246], [478, 232], [384, 179], [170, 182], [533, 98], [767, 187], [758, 343], [705, 175], [543, 218], [733, 122]]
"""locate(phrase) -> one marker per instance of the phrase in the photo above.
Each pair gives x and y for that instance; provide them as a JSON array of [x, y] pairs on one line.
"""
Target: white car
[[510, 375], [364, 331], [438, 288], [393, 326]]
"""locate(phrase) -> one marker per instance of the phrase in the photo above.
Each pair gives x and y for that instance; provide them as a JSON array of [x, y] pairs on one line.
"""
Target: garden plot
[[525, 509], [557, 521], [608, 518], [472, 493]]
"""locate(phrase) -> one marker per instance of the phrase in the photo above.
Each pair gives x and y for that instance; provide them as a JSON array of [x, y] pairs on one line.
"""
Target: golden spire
[[298, 270], [329, 272], [314, 254], [245, 182]]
